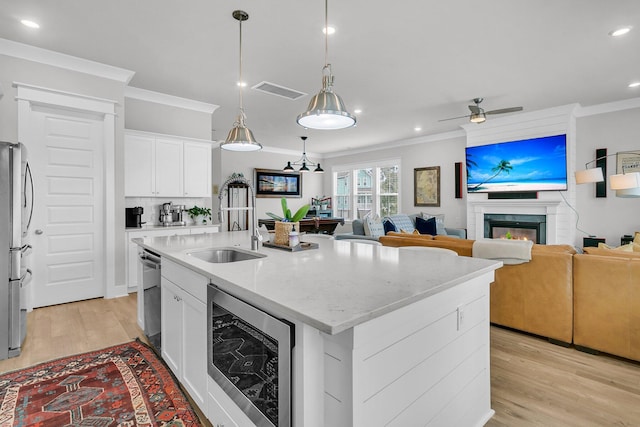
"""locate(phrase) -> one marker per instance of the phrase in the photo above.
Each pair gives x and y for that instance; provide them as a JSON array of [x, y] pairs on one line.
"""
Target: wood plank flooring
[[533, 382]]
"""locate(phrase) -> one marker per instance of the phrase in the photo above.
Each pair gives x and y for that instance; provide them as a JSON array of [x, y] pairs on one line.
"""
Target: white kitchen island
[[383, 336]]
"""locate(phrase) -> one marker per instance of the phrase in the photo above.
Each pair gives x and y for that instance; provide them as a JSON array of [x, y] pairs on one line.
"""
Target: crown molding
[[399, 143], [609, 107], [61, 60], [170, 100]]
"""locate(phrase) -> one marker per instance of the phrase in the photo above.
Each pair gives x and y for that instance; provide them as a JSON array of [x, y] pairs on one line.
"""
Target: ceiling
[[406, 63]]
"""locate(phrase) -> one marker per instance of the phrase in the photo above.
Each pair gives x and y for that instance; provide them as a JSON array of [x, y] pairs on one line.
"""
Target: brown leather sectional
[[591, 299], [606, 286], [535, 297]]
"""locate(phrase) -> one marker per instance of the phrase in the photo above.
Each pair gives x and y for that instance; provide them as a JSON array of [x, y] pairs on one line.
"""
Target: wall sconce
[[625, 184]]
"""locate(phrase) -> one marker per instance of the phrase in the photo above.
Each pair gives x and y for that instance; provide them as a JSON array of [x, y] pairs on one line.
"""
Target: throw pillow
[[388, 226], [373, 226], [624, 248], [636, 237], [426, 226], [439, 222], [402, 222]]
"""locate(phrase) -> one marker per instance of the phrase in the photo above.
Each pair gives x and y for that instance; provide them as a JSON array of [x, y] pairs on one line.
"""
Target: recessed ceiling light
[[357, 111], [241, 84], [417, 129], [30, 24], [619, 31], [329, 30], [634, 84]]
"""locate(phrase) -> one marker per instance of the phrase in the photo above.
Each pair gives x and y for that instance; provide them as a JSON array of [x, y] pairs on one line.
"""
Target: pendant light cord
[[326, 33], [240, 82]]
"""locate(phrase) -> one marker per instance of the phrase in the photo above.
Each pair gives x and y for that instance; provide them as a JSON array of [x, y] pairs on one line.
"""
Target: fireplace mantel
[[549, 208]]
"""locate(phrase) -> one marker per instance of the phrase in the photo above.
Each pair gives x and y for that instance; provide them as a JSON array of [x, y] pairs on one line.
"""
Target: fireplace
[[516, 226]]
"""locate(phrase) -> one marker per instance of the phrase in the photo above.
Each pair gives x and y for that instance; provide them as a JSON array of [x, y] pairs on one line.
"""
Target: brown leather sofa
[[607, 302], [535, 297]]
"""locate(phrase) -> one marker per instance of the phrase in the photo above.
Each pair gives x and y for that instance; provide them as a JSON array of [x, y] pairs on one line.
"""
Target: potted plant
[[199, 215], [285, 223]]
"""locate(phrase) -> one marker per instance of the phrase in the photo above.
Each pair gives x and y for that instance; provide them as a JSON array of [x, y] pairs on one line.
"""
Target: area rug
[[122, 386]]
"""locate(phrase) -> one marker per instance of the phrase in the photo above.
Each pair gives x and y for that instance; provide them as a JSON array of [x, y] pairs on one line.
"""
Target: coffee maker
[[133, 217], [177, 212], [166, 216]]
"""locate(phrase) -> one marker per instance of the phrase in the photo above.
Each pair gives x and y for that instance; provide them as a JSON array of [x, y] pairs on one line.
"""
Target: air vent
[[278, 90]]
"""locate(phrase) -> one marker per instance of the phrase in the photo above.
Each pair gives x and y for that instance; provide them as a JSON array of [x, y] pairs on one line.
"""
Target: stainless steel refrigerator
[[16, 211]]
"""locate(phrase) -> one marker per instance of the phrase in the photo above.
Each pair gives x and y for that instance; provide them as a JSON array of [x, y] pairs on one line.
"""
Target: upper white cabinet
[[139, 165], [197, 170], [163, 166]]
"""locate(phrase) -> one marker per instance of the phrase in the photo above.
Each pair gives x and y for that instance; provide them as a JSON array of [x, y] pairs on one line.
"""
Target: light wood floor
[[533, 382]]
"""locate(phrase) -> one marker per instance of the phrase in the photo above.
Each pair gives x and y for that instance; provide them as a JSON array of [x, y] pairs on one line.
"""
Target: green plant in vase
[[286, 213], [196, 212]]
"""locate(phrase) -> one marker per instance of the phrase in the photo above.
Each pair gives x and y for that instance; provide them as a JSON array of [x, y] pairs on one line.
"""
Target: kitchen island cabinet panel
[[184, 330]]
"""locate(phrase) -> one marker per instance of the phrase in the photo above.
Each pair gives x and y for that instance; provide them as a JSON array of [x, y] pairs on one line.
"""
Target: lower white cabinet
[[184, 329]]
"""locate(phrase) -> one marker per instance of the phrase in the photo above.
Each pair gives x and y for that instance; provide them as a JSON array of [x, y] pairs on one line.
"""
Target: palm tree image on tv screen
[[537, 164]]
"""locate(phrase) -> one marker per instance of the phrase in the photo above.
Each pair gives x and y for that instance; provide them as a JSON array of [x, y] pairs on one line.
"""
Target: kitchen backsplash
[[153, 205]]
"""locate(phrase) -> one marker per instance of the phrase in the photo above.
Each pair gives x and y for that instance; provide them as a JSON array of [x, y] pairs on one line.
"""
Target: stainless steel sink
[[224, 255]]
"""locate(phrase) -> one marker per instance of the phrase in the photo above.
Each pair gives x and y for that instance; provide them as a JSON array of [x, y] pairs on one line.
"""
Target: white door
[[168, 168], [69, 206], [139, 166]]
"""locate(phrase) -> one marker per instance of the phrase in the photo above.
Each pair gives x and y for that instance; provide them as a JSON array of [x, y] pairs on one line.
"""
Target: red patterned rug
[[126, 385]]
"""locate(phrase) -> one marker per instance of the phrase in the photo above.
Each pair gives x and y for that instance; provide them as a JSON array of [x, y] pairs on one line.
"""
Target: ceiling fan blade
[[504, 110], [453, 118]]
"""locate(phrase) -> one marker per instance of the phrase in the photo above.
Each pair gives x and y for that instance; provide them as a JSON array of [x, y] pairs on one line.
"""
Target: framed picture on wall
[[628, 161], [277, 183], [426, 186]]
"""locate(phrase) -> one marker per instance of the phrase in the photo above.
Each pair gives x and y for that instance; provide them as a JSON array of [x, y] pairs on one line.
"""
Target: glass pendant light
[[326, 109], [240, 137]]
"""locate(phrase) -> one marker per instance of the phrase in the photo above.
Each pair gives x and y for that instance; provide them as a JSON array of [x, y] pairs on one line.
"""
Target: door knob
[[38, 231]]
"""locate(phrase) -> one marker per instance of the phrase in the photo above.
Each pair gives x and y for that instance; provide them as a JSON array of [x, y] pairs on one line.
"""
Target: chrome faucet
[[255, 235]]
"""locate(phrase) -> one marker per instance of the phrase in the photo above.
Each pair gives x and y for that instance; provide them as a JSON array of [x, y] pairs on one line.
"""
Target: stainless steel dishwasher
[[151, 265]]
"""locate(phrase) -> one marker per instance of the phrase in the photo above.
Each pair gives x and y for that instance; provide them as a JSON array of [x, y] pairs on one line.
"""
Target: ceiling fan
[[478, 115]]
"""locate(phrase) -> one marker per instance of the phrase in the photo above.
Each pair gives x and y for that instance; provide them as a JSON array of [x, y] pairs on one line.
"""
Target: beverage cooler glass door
[[249, 356]]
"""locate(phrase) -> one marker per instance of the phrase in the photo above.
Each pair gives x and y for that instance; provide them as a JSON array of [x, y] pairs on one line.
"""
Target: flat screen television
[[528, 165], [277, 183]]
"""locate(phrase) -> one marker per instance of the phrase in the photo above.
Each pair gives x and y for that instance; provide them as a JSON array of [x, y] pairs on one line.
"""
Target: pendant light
[[304, 161], [240, 138], [326, 109]]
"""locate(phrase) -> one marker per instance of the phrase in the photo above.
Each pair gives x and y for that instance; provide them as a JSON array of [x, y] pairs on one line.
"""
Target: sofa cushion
[[373, 226], [426, 226], [358, 227], [439, 222], [402, 222], [611, 252]]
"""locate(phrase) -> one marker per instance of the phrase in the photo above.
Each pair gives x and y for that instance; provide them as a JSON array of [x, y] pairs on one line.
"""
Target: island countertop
[[332, 288]]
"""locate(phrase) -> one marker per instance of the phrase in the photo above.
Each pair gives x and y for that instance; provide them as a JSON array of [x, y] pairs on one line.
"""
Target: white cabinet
[[184, 328], [163, 166], [197, 170], [139, 166], [168, 166]]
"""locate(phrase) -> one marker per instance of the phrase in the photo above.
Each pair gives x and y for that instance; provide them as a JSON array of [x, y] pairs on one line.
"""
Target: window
[[361, 189]]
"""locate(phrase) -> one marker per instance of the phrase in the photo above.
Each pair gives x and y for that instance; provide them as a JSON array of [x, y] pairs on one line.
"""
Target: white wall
[[443, 150], [609, 217], [613, 126], [169, 120], [33, 73], [245, 163]]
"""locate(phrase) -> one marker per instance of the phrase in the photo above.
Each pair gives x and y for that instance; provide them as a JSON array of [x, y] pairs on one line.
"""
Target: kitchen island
[[383, 336]]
